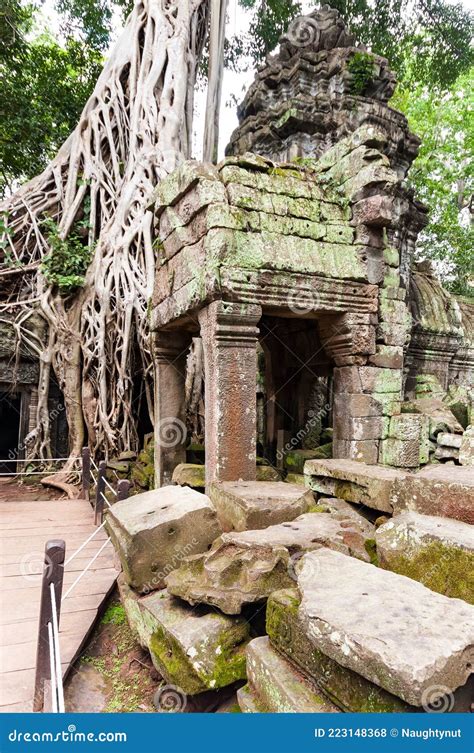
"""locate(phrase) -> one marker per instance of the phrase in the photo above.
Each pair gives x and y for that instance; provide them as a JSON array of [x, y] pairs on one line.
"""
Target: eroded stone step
[[246, 567], [438, 552], [370, 485], [447, 491], [392, 630], [349, 690], [250, 505], [275, 685], [194, 649]]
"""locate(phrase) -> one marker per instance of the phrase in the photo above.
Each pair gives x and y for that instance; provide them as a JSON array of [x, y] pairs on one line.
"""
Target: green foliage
[[115, 614], [66, 264], [435, 35], [443, 174], [361, 66], [43, 88]]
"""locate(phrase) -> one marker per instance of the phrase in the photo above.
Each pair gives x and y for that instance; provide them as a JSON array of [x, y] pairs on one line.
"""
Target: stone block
[[152, 532], [466, 450], [440, 417], [446, 453], [194, 649], [246, 567], [364, 451], [370, 485], [441, 490], [245, 505], [193, 474], [295, 459], [388, 356], [370, 427], [190, 474], [349, 690], [276, 686], [354, 379], [438, 552], [408, 426], [445, 439], [411, 641], [375, 210], [400, 453]]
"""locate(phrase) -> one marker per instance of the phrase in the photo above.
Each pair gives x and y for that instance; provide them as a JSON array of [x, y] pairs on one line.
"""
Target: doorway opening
[[10, 417]]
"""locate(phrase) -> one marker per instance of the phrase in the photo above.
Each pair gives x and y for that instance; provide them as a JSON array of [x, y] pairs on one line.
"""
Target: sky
[[234, 84]]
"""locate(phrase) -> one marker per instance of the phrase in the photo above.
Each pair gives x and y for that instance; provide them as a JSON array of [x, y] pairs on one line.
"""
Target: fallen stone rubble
[[323, 612]]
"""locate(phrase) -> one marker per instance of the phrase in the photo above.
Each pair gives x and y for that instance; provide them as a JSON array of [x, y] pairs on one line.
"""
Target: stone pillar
[[169, 353], [229, 333]]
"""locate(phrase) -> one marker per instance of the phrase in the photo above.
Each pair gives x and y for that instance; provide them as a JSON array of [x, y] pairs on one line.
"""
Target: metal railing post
[[86, 472], [99, 493], [123, 489], [53, 572]]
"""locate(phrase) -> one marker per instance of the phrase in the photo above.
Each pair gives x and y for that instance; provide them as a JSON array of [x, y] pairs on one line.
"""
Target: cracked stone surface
[[388, 628], [246, 567], [152, 532]]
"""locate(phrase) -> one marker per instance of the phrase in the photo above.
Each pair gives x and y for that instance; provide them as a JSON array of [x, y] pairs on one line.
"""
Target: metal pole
[[123, 489], [99, 492], [53, 572], [86, 472]]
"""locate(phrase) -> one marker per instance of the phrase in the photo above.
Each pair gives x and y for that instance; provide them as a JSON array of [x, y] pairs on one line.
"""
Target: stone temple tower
[[319, 88]]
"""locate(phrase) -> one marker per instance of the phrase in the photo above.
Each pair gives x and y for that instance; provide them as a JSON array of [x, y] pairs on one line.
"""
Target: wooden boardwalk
[[25, 526]]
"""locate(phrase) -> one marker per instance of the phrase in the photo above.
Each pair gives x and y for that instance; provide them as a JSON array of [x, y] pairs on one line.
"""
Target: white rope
[[54, 697], [57, 653], [94, 478], [110, 487], [46, 472], [85, 569], [105, 499], [84, 544], [93, 463], [36, 460]]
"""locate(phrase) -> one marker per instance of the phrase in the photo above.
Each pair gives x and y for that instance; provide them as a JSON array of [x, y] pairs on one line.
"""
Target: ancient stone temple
[[338, 576], [300, 244]]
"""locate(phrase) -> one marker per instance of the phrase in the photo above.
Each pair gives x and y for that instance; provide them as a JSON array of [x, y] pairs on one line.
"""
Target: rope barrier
[[105, 499], [84, 544], [36, 460], [57, 653], [54, 693], [110, 486], [91, 562]]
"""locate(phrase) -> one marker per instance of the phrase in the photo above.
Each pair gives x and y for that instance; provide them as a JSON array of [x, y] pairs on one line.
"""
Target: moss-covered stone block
[[194, 649], [437, 552], [348, 690]]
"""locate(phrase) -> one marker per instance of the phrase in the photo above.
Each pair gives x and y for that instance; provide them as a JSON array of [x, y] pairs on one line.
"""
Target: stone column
[[229, 332], [169, 353]]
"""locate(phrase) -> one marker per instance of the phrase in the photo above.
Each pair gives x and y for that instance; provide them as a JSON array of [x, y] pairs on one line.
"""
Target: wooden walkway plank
[[25, 526]]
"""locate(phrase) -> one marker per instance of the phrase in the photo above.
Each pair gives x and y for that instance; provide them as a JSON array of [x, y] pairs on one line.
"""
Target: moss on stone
[[448, 570]]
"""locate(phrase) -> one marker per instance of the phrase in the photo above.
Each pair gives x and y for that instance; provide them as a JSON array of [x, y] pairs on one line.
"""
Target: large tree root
[[135, 128]]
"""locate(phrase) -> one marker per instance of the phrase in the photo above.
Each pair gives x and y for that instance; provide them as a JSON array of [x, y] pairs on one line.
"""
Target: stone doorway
[[10, 421], [298, 385]]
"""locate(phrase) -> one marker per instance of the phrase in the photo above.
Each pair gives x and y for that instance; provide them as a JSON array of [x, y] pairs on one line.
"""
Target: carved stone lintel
[[229, 332]]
